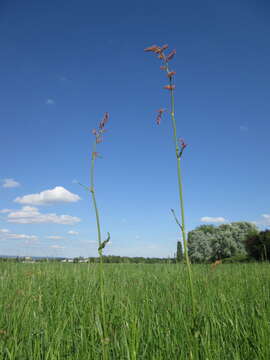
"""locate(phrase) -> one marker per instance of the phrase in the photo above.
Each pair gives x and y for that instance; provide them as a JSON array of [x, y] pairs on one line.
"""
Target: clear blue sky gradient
[[64, 63]]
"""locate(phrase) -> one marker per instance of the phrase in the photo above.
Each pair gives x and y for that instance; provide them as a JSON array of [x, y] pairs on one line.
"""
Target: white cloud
[[6, 234], [265, 221], [210, 219], [52, 196], [54, 237], [72, 232], [50, 102], [22, 236], [10, 183], [5, 211], [57, 247], [31, 215]]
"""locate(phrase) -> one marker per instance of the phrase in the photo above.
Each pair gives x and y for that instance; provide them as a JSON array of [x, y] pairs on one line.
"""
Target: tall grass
[[100, 318], [49, 311], [179, 144]]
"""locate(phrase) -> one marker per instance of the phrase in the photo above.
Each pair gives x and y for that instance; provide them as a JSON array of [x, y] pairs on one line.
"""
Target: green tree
[[199, 245], [208, 243], [258, 245], [179, 252]]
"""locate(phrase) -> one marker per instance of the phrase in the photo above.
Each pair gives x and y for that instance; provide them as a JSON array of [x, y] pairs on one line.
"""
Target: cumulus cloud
[[6, 234], [54, 237], [3, 211], [52, 196], [57, 247], [72, 232], [31, 215], [10, 183], [209, 219], [265, 221]]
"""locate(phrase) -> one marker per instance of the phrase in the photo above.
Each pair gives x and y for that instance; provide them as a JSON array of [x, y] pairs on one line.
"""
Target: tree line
[[208, 243]]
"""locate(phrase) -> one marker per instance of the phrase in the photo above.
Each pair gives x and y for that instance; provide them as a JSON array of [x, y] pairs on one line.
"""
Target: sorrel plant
[[180, 144], [98, 134]]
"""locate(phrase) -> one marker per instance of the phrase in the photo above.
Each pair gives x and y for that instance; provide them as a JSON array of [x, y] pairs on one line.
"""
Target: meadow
[[52, 311]]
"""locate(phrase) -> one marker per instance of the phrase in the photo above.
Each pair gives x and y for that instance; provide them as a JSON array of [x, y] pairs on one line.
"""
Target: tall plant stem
[[101, 270], [179, 175]]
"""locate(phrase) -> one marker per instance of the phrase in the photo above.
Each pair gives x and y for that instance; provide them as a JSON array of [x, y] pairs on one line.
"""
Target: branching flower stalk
[[101, 244], [180, 146]]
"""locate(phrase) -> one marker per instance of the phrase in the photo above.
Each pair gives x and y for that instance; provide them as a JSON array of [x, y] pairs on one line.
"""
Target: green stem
[[101, 270], [179, 175]]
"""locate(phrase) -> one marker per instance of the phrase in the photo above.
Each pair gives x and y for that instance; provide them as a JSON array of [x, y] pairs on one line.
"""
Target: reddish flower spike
[[182, 143], [153, 48], [158, 119], [164, 47], [98, 139], [171, 74], [171, 55], [104, 121], [169, 87]]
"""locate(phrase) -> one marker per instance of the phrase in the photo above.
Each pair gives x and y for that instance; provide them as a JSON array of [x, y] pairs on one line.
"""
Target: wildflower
[[99, 139], [159, 115], [171, 74], [104, 120], [94, 131], [164, 47], [169, 87], [171, 55], [182, 143], [95, 154], [153, 48]]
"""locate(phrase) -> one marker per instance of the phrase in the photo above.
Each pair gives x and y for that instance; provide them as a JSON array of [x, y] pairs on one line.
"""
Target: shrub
[[258, 245], [236, 259]]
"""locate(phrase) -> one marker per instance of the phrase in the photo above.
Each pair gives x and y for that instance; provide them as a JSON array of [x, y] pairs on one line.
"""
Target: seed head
[[169, 87], [182, 143], [104, 121], [171, 74], [159, 115], [171, 55], [153, 48]]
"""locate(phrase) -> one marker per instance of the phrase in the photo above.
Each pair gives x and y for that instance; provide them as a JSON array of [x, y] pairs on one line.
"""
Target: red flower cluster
[[169, 87], [99, 133], [182, 143], [159, 115], [159, 50]]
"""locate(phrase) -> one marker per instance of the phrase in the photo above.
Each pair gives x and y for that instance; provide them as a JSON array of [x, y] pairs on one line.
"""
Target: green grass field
[[52, 311]]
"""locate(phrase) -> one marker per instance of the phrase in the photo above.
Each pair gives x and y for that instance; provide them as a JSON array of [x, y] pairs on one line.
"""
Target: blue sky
[[63, 64]]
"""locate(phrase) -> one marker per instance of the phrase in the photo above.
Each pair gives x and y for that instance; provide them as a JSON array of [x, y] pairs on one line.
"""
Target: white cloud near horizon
[[3, 211], [209, 219], [57, 247], [54, 237], [265, 221], [72, 232], [6, 234], [31, 215], [52, 196], [10, 183]]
